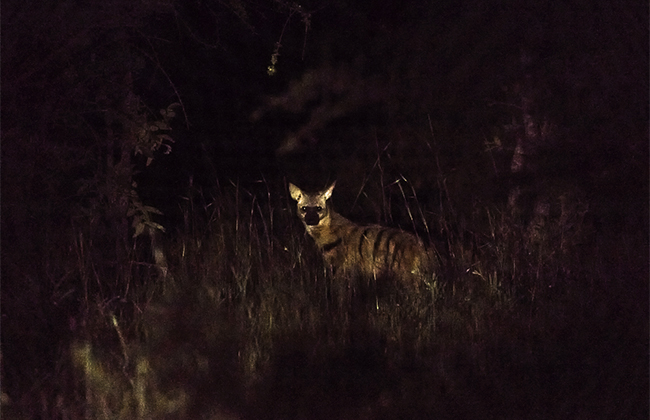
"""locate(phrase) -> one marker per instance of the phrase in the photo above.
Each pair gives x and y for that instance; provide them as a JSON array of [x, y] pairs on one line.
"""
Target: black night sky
[[512, 134]]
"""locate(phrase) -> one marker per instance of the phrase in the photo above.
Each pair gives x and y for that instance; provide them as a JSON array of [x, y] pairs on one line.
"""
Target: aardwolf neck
[[330, 231]]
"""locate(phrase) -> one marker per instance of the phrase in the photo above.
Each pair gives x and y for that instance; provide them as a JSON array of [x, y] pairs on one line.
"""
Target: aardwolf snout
[[311, 216]]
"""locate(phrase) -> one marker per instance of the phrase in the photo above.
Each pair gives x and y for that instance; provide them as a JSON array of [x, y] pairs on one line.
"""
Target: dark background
[[466, 68], [439, 93]]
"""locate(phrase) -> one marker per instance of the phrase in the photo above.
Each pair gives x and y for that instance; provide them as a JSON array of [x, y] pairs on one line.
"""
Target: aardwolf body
[[367, 250]]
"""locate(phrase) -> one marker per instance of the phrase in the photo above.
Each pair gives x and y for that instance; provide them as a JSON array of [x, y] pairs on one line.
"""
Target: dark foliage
[[512, 135]]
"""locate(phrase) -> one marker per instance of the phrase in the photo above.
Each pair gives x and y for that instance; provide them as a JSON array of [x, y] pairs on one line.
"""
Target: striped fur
[[366, 250]]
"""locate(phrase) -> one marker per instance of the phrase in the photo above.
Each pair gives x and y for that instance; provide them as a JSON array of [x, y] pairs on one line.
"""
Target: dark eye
[[319, 208], [304, 208]]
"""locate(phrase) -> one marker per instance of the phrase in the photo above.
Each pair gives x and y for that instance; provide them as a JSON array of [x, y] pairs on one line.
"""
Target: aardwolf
[[367, 250]]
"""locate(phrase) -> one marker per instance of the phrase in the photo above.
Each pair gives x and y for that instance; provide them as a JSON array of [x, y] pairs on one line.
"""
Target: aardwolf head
[[312, 207]]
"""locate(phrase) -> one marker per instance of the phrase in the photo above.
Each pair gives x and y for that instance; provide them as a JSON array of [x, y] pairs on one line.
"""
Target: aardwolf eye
[[304, 208], [319, 208]]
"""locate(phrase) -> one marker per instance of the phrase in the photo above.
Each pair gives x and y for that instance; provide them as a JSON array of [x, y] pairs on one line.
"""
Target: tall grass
[[250, 325]]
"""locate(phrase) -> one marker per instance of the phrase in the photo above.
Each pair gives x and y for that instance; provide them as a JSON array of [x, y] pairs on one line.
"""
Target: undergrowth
[[249, 324]]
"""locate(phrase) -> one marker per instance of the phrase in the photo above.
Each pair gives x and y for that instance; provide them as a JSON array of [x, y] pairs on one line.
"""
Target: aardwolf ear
[[328, 192], [295, 192]]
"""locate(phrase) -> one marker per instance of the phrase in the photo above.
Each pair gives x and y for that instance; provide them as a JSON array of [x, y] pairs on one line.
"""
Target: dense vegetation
[[158, 273]]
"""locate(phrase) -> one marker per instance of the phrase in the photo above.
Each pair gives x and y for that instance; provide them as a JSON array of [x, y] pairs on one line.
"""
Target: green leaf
[[152, 210], [138, 230], [166, 137]]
